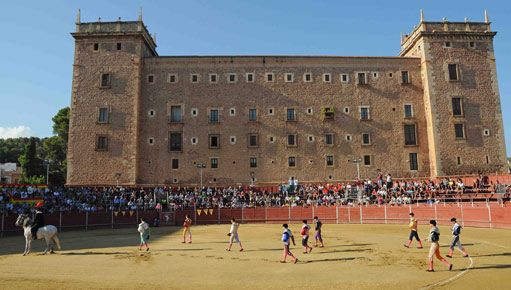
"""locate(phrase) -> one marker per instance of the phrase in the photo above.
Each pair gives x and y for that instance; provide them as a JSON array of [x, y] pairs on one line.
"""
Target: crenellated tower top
[[445, 30]]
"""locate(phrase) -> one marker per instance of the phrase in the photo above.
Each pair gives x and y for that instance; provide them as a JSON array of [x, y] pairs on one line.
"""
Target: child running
[[286, 237], [233, 234], [456, 230], [434, 238], [318, 224], [145, 234], [413, 233], [187, 224], [305, 236]]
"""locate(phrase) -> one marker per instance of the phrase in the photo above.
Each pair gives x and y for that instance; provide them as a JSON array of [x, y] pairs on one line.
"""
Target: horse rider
[[38, 220]]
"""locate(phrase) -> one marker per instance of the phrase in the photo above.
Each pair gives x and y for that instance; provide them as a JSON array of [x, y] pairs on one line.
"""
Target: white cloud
[[20, 131]]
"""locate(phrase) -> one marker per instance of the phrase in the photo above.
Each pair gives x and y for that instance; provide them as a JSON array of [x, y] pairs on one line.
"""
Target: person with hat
[[38, 220]]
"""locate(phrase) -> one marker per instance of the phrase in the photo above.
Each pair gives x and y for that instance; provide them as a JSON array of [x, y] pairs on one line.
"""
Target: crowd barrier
[[468, 214]]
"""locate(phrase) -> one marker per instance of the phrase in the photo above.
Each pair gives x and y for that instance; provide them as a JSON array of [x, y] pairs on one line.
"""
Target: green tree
[[61, 124], [32, 165], [56, 147]]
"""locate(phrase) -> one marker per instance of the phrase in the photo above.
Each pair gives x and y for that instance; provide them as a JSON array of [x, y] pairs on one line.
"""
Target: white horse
[[49, 233]]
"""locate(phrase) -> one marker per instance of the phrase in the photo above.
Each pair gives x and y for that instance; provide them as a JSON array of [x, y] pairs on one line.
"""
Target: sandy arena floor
[[355, 257]]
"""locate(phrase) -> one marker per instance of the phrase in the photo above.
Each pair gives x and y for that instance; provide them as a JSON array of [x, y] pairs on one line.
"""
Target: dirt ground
[[354, 257]]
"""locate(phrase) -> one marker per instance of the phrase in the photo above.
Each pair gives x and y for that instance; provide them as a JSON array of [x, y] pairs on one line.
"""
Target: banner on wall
[[199, 211]]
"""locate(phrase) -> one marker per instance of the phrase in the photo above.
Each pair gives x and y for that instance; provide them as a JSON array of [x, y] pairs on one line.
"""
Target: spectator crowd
[[383, 190]]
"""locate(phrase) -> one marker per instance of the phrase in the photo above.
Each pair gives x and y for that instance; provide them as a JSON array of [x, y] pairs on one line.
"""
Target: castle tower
[[103, 129], [461, 95]]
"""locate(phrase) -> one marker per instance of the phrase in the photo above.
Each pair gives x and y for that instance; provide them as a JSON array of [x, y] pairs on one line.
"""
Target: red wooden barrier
[[468, 214]]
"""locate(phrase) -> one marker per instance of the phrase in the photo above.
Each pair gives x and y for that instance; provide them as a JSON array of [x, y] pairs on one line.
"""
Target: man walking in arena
[[434, 238], [456, 230], [413, 231], [233, 234], [318, 225], [305, 236], [187, 224], [287, 236]]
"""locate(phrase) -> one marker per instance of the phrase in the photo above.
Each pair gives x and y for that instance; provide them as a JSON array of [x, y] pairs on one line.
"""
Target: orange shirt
[[413, 224]]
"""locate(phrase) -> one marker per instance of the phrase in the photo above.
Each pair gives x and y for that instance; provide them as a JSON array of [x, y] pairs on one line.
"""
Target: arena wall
[[468, 214]]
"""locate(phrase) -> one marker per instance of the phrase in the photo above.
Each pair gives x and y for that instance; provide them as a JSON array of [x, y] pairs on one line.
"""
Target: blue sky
[[36, 51]]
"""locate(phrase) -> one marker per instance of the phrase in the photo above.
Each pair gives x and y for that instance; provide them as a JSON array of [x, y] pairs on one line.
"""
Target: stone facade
[[153, 118]]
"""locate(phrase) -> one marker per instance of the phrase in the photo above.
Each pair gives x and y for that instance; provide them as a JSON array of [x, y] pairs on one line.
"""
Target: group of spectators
[[383, 190]]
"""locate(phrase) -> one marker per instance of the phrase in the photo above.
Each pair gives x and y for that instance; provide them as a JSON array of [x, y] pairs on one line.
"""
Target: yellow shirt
[[413, 224]]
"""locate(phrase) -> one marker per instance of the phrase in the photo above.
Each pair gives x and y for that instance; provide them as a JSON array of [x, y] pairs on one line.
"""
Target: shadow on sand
[[326, 260], [87, 240]]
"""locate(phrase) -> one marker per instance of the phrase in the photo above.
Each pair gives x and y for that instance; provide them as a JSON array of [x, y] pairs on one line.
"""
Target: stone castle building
[[138, 118]]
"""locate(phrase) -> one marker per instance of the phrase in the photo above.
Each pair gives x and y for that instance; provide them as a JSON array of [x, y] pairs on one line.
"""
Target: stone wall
[[139, 126]]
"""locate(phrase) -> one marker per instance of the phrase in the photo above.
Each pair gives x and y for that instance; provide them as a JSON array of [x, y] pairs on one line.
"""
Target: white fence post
[[265, 213], [462, 219], [436, 217], [489, 215], [289, 214], [313, 211], [360, 214], [385, 214], [349, 215], [337, 214]]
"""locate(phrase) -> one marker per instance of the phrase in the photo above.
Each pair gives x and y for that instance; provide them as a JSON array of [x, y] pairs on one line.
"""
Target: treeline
[[12, 148], [33, 154]]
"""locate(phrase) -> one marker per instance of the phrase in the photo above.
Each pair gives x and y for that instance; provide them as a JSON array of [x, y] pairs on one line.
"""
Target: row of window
[[95, 46], [328, 113], [361, 78], [329, 161], [292, 161], [176, 138], [471, 44]]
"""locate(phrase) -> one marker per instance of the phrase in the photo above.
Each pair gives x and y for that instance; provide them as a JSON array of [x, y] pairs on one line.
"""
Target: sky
[[36, 51]]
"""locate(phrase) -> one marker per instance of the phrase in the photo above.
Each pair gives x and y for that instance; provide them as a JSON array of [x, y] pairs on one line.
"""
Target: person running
[[187, 224], [318, 225], [434, 238], [145, 234], [413, 233], [286, 238], [38, 220], [456, 230], [233, 234], [305, 236]]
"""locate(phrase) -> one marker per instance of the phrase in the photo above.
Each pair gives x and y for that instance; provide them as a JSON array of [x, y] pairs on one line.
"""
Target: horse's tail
[[56, 240]]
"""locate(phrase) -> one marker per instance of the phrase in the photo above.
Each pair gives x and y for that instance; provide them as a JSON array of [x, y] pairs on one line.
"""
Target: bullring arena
[[363, 250]]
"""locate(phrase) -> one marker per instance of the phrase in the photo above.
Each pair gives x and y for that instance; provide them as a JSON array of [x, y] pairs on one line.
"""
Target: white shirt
[[234, 228], [307, 227], [290, 236], [142, 227]]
